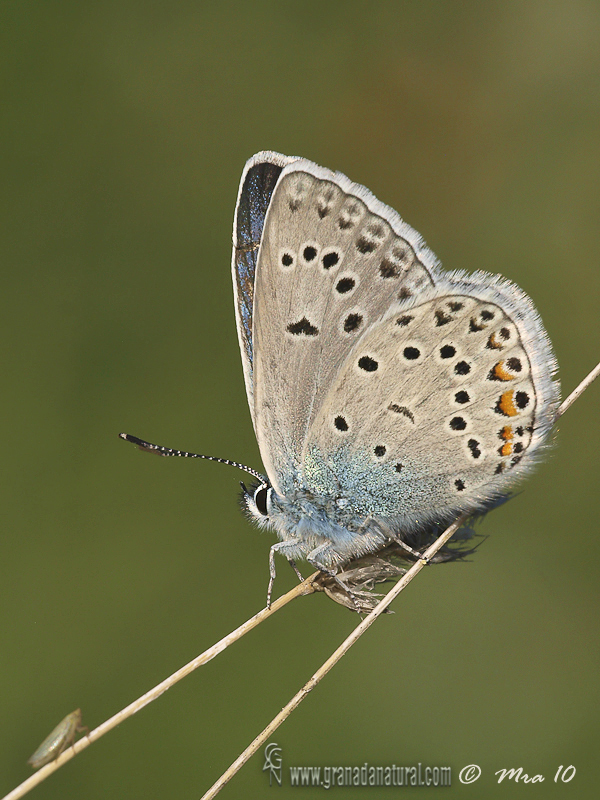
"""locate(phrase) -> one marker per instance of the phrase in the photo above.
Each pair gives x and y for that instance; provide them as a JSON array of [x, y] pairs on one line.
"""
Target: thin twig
[[590, 378], [334, 658], [364, 625], [306, 587]]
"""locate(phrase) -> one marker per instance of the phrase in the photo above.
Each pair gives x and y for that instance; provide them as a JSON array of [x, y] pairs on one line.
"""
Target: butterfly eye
[[260, 499]]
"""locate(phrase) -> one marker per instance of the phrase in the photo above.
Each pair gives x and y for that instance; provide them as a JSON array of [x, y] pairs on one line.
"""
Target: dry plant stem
[[306, 587], [590, 378], [364, 625], [334, 658]]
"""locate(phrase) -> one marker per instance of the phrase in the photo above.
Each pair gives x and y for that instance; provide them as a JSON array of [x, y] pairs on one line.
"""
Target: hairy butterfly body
[[387, 395]]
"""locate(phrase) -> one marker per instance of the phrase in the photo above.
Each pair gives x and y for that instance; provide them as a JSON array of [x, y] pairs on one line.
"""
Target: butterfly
[[387, 395]]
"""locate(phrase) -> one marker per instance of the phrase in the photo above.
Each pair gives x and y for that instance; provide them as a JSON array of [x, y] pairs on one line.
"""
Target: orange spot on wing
[[506, 449], [506, 433], [502, 374], [506, 404], [494, 343]]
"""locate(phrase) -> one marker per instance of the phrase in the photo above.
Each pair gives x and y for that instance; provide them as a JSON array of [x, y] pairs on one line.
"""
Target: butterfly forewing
[[332, 260]]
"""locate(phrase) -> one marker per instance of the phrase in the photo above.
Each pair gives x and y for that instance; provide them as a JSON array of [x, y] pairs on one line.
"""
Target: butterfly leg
[[368, 522], [414, 553], [314, 558], [280, 547], [296, 570]]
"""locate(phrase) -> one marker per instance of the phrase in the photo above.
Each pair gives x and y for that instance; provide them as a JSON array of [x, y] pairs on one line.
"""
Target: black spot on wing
[[352, 323], [302, 328]]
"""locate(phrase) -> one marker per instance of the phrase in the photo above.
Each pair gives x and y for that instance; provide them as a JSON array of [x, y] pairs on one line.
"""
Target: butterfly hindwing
[[438, 407]]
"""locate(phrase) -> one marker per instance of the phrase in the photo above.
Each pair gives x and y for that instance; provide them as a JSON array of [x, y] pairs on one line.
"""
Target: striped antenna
[[167, 451]]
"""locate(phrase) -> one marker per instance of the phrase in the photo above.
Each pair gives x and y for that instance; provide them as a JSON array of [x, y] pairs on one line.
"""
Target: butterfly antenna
[[167, 451]]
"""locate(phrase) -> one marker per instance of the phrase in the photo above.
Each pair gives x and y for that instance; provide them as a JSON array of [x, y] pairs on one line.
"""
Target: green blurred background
[[125, 128]]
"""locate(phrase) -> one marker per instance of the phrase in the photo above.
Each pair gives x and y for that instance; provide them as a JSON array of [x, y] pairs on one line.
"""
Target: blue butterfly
[[387, 395]]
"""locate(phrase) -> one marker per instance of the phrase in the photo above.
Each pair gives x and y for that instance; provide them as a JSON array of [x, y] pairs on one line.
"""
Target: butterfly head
[[256, 501]]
